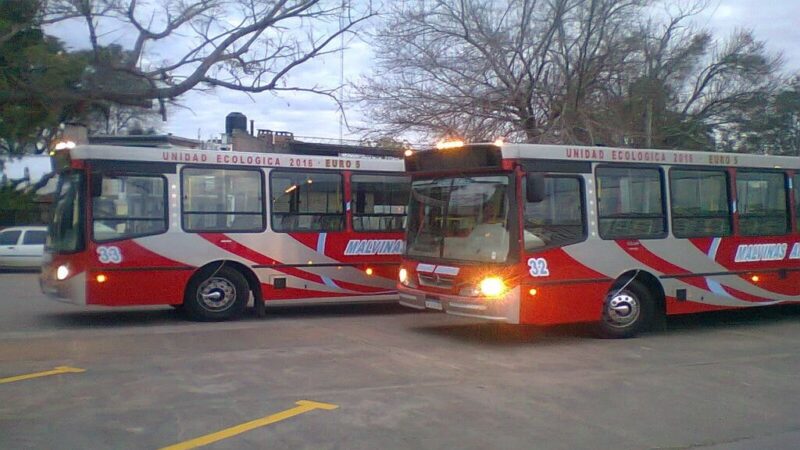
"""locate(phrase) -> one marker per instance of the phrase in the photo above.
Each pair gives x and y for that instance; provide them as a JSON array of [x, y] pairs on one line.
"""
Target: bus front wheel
[[627, 311], [216, 294]]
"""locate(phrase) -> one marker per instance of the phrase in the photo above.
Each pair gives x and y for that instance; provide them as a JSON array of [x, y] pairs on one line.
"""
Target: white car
[[22, 247]]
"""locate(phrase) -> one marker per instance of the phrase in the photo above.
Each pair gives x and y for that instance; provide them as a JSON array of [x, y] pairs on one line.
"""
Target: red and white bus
[[206, 229], [545, 234]]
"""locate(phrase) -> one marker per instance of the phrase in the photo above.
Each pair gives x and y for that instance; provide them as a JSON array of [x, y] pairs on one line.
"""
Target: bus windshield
[[460, 218], [66, 230]]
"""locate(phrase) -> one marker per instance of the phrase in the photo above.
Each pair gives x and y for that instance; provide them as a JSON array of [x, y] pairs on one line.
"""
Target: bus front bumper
[[503, 309], [71, 290]]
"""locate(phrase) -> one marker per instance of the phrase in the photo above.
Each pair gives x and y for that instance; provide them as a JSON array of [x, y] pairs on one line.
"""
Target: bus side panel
[[133, 275], [562, 303], [369, 264], [379, 252], [712, 277], [565, 290], [142, 287], [774, 261]]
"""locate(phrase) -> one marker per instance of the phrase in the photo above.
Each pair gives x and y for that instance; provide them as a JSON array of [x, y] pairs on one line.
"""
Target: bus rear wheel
[[216, 295], [627, 311]]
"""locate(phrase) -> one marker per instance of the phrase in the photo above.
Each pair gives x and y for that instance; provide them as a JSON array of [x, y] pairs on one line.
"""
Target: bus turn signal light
[[532, 291], [369, 271], [101, 278], [755, 278]]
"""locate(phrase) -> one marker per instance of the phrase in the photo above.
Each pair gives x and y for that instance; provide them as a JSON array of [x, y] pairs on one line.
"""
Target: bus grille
[[437, 281]]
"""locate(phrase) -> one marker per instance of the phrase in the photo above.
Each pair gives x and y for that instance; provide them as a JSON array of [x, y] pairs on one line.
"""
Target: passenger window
[[761, 197], [226, 200], [700, 203], [379, 202], [558, 219], [630, 203], [307, 201], [34, 237], [9, 237], [129, 206]]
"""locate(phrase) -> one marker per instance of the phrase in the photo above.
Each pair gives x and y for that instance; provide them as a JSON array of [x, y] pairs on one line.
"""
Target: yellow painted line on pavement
[[303, 406], [57, 371]]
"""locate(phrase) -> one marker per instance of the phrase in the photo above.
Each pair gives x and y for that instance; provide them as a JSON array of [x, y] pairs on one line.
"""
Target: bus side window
[[559, 218], [379, 202], [699, 203], [129, 206], [630, 203], [761, 199], [224, 200], [311, 201]]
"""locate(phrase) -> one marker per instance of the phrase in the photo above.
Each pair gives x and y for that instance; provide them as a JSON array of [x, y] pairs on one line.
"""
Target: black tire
[[216, 294], [629, 312]]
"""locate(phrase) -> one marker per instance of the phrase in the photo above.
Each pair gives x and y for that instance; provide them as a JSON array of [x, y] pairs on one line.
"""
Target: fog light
[[62, 273], [402, 275], [492, 286]]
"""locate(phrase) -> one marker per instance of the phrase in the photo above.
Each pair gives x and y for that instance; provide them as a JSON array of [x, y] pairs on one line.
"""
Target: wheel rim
[[216, 294], [622, 310]]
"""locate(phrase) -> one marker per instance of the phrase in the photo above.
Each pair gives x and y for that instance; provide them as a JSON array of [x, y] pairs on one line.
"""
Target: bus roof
[[182, 155], [646, 156]]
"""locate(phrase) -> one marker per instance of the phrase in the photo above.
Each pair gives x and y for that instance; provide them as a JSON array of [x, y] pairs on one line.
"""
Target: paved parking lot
[[381, 376]]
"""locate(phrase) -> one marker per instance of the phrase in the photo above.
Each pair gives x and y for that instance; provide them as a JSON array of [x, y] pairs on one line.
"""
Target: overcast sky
[[775, 21]]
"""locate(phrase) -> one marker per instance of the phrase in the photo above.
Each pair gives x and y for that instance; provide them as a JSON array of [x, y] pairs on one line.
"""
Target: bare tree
[[617, 72], [178, 45], [517, 68], [686, 86], [120, 119]]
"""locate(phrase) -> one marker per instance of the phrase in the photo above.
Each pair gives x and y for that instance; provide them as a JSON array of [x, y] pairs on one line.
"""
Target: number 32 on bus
[[538, 234], [206, 230]]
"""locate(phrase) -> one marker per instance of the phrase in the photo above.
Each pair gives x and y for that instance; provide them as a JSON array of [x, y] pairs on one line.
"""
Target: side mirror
[[96, 184], [534, 188]]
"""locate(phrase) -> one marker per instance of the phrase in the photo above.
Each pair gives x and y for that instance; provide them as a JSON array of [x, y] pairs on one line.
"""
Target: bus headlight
[[62, 273], [492, 286], [405, 279]]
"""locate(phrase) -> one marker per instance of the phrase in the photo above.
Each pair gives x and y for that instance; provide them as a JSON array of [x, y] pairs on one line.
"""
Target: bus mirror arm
[[534, 188]]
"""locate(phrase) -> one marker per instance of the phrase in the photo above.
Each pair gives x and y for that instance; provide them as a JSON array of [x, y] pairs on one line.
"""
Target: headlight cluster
[[487, 287], [492, 286], [62, 273], [405, 280]]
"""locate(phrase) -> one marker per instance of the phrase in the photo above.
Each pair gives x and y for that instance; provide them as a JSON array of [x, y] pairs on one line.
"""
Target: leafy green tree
[[18, 207], [38, 80]]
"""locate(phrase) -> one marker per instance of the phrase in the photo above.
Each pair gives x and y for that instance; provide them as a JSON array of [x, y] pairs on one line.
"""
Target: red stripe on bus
[[248, 253], [650, 259], [745, 297], [260, 259]]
